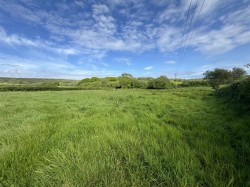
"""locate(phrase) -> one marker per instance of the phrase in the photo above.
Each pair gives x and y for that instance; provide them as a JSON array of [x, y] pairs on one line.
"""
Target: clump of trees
[[219, 77], [161, 82], [88, 80], [126, 81], [214, 78]]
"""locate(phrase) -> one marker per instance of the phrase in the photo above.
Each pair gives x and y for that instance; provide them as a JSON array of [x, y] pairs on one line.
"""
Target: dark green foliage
[[88, 80], [49, 84], [127, 75], [194, 83], [161, 82], [217, 77], [237, 73], [238, 94], [111, 78], [247, 65], [126, 82], [84, 81], [140, 83]]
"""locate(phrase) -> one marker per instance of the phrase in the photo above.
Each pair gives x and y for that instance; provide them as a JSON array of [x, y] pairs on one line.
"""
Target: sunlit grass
[[182, 137]]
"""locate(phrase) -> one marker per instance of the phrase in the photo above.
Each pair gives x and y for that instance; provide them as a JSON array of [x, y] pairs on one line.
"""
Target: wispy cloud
[[19, 67], [170, 62], [86, 32], [148, 68], [206, 66], [10, 65], [123, 60], [127, 36]]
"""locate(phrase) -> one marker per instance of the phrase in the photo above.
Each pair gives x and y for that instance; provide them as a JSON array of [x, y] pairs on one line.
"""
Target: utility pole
[[175, 77]]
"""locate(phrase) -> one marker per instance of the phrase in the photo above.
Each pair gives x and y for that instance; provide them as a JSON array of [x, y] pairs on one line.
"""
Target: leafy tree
[[127, 75], [237, 73], [247, 65], [88, 80], [94, 79], [217, 77], [126, 80], [161, 82], [111, 78], [139, 83], [84, 81]]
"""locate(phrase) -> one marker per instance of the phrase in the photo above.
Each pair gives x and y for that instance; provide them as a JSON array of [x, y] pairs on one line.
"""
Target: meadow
[[124, 137]]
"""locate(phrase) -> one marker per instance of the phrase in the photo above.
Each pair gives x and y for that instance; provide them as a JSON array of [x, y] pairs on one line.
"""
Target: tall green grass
[[180, 137]]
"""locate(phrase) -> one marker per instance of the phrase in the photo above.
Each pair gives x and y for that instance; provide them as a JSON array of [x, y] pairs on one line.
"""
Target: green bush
[[237, 93], [111, 78], [218, 77], [139, 83], [126, 82], [88, 80], [161, 82], [194, 83]]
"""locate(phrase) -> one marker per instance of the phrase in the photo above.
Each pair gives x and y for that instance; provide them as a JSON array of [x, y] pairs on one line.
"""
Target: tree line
[[128, 81]]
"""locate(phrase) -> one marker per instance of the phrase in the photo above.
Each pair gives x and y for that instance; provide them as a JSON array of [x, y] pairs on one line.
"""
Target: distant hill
[[36, 81]]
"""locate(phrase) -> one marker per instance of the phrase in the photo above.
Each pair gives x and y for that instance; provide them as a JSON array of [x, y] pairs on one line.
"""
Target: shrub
[[126, 82], [161, 82], [138, 83], [237, 74], [237, 93], [217, 77], [194, 83], [111, 78], [88, 80]]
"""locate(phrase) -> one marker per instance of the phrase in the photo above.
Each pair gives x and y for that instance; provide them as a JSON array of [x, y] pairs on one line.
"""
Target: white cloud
[[170, 62], [123, 60], [16, 40], [161, 3], [98, 29], [69, 51], [100, 9], [55, 68], [116, 25], [222, 40], [168, 39], [148, 68], [80, 3], [206, 66]]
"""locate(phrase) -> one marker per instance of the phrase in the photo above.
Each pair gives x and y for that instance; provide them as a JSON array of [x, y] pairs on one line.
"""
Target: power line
[[194, 26], [188, 37], [185, 28], [187, 34]]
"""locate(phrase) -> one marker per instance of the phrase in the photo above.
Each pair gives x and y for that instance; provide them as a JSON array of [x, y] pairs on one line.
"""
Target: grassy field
[[178, 137]]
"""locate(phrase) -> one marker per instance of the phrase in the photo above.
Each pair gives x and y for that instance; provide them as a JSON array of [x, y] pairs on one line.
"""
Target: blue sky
[[75, 39]]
